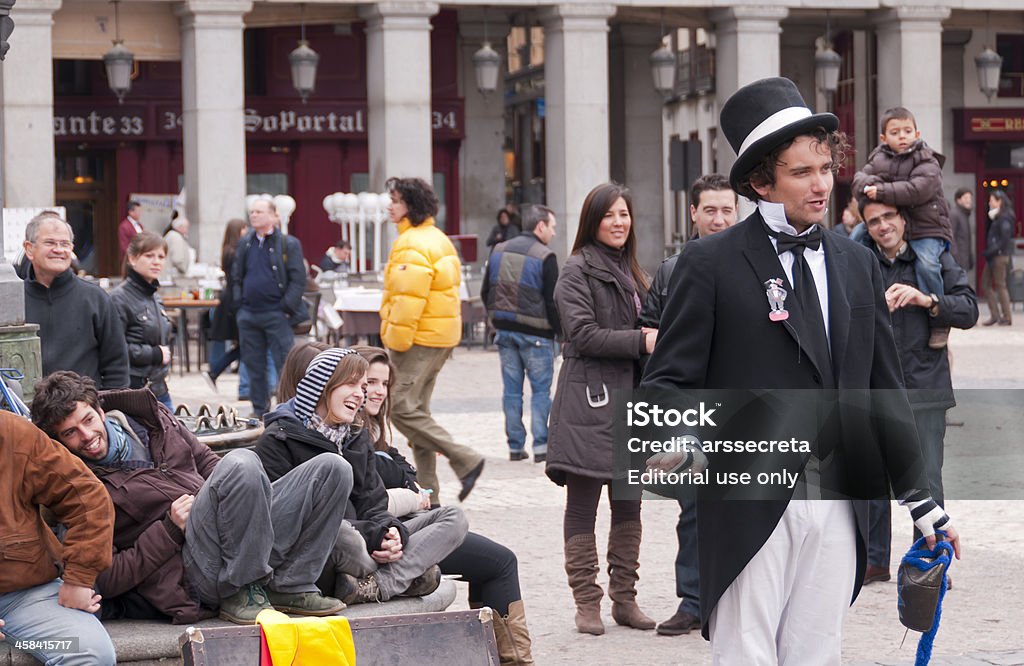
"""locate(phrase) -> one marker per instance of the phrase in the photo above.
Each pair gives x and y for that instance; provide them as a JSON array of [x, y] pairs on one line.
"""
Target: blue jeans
[[34, 613], [165, 400], [243, 376], [258, 334], [533, 356], [927, 267], [687, 572], [931, 431]]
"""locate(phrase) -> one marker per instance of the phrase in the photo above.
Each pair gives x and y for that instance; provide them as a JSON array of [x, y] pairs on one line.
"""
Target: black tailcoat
[[715, 333]]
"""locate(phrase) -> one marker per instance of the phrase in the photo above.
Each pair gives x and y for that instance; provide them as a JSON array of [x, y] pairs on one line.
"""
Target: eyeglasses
[[51, 244], [888, 216]]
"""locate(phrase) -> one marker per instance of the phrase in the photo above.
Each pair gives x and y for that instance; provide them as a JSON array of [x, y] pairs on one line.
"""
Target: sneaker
[[366, 591], [519, 454], [211, 381], [939, 338], [243, 606], [424, 584], [540, 457], [679, 624], [305, 603]]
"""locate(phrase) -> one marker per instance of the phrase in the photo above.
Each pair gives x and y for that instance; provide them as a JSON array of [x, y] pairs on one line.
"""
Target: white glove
[[927, 516]]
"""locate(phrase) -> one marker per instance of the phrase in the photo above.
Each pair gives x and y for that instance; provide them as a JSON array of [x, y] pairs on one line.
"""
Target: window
[[1011, 79], [695, 62]]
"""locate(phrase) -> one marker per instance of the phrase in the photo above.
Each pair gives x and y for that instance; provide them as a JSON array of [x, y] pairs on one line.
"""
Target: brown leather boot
[[623, 562], [581, 568], [513, 637]]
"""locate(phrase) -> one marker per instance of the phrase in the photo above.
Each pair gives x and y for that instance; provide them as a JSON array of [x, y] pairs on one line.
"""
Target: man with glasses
[[79, 328], [925, 370]]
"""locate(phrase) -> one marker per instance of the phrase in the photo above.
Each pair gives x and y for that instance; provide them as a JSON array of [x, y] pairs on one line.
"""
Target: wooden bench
[[148, 643]]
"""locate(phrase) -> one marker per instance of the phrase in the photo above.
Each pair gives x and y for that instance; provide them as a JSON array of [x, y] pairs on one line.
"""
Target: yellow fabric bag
[[307, 641]]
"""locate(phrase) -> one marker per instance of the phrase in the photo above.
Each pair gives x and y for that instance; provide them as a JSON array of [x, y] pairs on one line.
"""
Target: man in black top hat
[[778, 575]]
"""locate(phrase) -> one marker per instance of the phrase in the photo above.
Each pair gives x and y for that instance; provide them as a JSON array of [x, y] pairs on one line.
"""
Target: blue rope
[[920, 557]]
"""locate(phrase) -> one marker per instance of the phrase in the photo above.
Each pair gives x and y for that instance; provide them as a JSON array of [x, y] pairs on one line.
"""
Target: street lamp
[[827, 62], [119, 62], [303, 61], [487, 64], [989, 64], [663, 70], [826, 69]]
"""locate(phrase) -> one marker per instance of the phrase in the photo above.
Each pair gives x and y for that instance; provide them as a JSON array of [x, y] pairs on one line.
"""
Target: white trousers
[[787, 606]]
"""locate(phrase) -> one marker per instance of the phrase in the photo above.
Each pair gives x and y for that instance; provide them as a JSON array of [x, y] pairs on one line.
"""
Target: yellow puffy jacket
[[421, 303]]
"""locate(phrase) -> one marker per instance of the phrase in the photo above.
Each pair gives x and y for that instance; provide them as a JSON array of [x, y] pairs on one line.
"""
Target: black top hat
[[760, 116]]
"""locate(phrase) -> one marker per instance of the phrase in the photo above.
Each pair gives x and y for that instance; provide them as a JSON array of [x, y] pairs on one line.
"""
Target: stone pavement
[[515, 504]]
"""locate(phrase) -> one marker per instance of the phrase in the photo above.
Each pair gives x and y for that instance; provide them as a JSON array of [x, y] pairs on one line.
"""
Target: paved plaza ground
[[515, 504]]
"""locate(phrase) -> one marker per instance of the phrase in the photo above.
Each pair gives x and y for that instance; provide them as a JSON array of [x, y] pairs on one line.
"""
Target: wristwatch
[[934, 309]]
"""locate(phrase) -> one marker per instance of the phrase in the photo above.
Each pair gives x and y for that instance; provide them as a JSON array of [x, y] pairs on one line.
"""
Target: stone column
[[910, 46], [19, 342], [398, 89], [642, 140], [213, 117], [747, 49], [28, 150], [481, 162], [576, 109]]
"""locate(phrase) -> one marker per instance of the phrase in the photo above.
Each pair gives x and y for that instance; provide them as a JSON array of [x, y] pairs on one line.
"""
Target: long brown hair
[[232, 236], [597, 203], [294, 368], [379, 425]]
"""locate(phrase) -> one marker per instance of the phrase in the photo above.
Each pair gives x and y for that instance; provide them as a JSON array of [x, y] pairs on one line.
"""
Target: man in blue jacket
[[269, 279]]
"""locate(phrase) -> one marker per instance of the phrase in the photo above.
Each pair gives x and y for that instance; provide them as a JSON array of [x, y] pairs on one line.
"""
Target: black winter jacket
[[79, 329], [146, 328], [925, 370], [287, 443], [999, 236]]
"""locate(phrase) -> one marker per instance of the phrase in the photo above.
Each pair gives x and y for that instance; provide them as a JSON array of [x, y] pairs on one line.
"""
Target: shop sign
[[992, 124], [115, 123], [263, 120]]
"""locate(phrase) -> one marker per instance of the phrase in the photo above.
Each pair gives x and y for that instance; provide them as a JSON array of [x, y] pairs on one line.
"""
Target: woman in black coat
[[998, 251], [598, 295], [146, 326]]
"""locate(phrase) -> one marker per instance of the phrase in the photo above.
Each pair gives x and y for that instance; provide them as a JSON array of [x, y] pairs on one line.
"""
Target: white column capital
[[34, 12], [912, 18], [749, 18], [394, 14], [213, 13], [577, 17]]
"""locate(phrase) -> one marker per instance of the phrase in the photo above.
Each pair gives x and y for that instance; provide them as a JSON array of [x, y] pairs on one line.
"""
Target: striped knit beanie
[[313, 383]]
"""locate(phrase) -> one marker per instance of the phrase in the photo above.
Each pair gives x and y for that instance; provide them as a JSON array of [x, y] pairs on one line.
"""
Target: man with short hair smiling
[[925, 370], [194, 531], [79, 328]]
